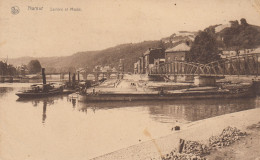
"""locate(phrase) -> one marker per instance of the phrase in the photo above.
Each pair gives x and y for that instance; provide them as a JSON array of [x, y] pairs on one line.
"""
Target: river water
[[58, 128]]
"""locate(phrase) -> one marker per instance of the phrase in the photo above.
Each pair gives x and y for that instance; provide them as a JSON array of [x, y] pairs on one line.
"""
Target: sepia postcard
[[129, 79]]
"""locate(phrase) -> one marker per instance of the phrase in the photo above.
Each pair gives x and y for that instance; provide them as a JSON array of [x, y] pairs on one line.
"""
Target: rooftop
[[257, 50], [151, 49], [180, 47]]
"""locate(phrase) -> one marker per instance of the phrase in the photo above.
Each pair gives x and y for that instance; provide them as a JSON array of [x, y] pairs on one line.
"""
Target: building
[[232, 52], [136, 66], [106, 69], [141, 66], [159, 61], [177, 53], [150, 56]]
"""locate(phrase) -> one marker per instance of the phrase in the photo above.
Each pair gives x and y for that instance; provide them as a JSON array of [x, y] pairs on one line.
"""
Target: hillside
[[233, 34], [129, 52]]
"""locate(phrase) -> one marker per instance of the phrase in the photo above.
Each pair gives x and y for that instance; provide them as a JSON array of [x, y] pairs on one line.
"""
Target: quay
[[200, 131]]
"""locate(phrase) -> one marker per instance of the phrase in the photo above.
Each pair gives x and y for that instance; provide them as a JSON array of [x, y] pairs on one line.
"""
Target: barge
[[192, 93]]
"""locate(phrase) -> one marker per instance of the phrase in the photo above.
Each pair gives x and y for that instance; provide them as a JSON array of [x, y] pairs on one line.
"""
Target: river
[[58, 128]]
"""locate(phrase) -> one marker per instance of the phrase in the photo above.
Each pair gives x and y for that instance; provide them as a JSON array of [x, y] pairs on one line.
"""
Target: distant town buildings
[[22, 69], [156, 56], [231, 52], [180, 36], [107, 68], [148, 60]]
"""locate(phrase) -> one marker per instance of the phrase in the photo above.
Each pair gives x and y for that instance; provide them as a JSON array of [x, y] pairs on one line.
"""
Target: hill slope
[[129, 52]]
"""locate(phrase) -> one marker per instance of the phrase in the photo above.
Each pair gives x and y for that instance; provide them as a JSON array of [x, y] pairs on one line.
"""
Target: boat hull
[[39, 94], [170, 96]]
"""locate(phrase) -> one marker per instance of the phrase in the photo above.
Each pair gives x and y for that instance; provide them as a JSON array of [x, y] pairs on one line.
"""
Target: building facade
[[150, 56], [177, 53]]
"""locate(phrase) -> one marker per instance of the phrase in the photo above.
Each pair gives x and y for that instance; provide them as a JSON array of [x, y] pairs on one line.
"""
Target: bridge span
[[247, 64]]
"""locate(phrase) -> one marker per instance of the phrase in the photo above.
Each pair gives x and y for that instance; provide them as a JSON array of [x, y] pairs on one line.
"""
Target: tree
[[204, 48], [243, 22], [34, 66], [7, 69], [241, 36], [11, 70], [3, 68]]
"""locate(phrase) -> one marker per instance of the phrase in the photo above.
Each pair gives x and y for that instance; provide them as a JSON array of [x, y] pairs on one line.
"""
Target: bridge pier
[[61, 76], [189, 78], [11, 79], [178, 78], [96, 77], [2, 79], [108, 75], [205, 80]]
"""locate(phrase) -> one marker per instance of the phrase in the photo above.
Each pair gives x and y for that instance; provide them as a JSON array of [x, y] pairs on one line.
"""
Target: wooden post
[[173, 68], [181, 145], [224, 68], [257, 66], [177, 68], [239, 66], [43, 76], [78, 77], [181, 68]]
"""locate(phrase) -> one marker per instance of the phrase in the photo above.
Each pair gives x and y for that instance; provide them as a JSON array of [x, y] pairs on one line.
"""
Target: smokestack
[[43, 76], [73, 80], [69, 79]]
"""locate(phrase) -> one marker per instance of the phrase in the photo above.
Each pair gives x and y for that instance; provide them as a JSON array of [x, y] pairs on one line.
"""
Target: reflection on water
[[44, 102], [44, 111], [161, 111], [51, 128], [5, 90], [182, 110]]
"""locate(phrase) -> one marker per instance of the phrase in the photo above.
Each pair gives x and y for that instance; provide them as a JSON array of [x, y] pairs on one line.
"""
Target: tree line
[[33, 67]]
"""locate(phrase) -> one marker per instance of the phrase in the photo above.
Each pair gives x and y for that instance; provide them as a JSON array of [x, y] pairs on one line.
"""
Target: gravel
[[193, 150], [228, 136]]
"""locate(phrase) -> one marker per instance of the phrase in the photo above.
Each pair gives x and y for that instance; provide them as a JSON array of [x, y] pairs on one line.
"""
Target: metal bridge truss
[[247, 64]]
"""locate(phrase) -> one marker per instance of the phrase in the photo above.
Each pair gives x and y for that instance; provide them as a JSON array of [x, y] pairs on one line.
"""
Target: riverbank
[[196, 131]]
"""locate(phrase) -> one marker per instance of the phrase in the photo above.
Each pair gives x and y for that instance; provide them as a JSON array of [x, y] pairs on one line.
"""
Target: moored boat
[[40, 90], [194, 93]]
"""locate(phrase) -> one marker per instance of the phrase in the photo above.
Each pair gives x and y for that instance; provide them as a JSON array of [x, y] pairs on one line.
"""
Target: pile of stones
[[228, 136], [193, 147], [192, 150], [188, 150], [182, 156]]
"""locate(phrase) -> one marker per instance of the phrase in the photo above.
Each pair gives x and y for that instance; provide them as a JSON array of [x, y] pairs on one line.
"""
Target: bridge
[[9, 78], [247, 64], [206, 74], [96, 74]]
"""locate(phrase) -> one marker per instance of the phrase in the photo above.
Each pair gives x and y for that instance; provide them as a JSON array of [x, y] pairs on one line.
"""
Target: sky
[[105, 23]]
